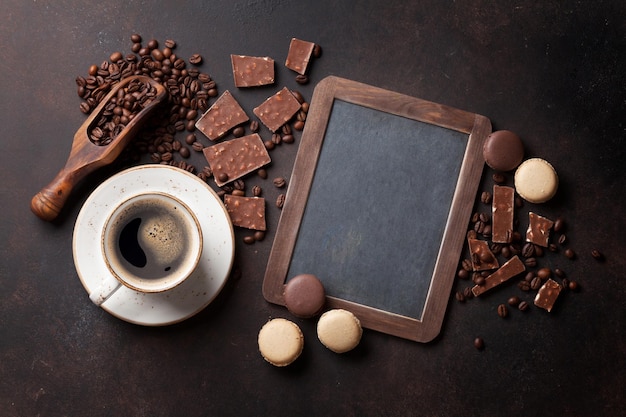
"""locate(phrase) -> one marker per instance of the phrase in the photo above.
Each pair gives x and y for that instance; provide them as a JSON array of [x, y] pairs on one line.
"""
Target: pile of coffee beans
[[120, 110], [190, 91]]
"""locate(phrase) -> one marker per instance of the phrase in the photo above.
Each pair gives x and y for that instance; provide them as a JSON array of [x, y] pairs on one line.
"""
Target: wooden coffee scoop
[[87, 156]]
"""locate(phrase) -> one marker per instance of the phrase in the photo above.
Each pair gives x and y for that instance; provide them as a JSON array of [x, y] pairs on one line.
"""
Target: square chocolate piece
[[252, 71], [299, 55], [248, 212], [547, 295], [235, 158], [222, 116], [482, 257], [538, 231], [278, 109]]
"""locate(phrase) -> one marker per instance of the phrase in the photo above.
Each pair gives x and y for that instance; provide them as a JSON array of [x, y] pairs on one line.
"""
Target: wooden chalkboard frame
[[476, 127]]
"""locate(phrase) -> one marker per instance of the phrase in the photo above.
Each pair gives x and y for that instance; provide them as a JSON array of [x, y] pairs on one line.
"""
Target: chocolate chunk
[[299, 55], [235, 158], [511, 268], [503, 201], [482, 257], [222, 116], [277, 109], [248, 212], [538, 231], [547, 295], [251, 71]]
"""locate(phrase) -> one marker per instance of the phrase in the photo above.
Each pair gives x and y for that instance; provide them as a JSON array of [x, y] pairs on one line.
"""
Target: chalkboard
[[378, 203]]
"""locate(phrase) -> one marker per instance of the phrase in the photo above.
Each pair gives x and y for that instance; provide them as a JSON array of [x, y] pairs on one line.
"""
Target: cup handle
[[106, 289]]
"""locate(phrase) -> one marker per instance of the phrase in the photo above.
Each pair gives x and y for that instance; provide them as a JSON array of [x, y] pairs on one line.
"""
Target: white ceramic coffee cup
[[151, 243]]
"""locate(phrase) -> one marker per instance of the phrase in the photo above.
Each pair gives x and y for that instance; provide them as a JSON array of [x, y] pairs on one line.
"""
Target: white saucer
[[195, 293]]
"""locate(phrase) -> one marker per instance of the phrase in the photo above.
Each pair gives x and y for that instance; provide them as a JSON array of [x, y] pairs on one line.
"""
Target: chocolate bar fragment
[[251, 71], [547, 295], [299, 55], [538, 231], [511, 268], [502, 214], [277, 109], [235, 158], [248, 212], [222, 116], [482, 257]]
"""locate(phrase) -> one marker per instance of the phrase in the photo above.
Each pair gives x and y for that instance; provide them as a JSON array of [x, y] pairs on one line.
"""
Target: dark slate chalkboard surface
[[377, 208]]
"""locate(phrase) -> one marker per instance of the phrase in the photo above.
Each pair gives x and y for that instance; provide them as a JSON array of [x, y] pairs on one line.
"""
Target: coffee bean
[[535, 284], [466, 264], [529, 276], [523, 306], [170, 43], [197, 146], [524, 285], [597, 255], [538, 251], [530, 262], [573, 285], [222, 177], [195, 59], [503, 311], [459, 296], [298, 125], [478, 279], [254, 126], [528, 250], [559, 272], [562, 239], [506, 251], [239, 131], [498, 178], [317, 51], [553, 248], [184, 152], [302, 79], [486, 197], [239, 193], [513, 301], [288, 139], [479, 343], [467, 293], [279, 182], [262, 173], [248, 240], [544, 273], [135, 38], [463, 274], [280, 201], [559, 225], [570, 254], [276, 139], [259, 235], [257, 191]]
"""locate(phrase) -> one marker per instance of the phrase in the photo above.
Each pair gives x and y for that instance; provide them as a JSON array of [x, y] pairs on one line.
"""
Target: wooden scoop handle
[[48, 202]]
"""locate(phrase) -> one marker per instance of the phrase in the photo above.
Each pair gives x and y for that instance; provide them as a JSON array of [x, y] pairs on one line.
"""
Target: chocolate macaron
[[503, 150], [304, 296]]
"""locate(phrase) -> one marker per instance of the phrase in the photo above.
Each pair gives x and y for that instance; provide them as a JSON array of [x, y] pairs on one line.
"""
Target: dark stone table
[[552, 71]]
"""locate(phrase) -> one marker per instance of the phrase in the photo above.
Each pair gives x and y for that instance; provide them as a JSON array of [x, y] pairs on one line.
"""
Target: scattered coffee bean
[[562, 239], [257, 191], [569, 253], [524, 285], [195, 59], [248, 240], [486, 197], [463, 274], [459, 296], [536, 283], [559, 225], [262, 173], [302, 79], [573, 285], [559, 272], [514, 301], [498, 178], [280, 201], [479, 343], [259, 235], [503, 311], [597, 255], [528, 250], [279, 182], [530, 262], [467, 292], [523, 306], [544, 273]]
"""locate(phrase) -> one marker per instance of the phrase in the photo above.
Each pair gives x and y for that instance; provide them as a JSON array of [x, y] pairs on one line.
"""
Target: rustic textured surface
[[551, 71]]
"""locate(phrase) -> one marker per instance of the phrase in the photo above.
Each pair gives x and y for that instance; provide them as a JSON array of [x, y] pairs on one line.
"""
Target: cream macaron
[[536, 180], [280, 342], [339, 330]]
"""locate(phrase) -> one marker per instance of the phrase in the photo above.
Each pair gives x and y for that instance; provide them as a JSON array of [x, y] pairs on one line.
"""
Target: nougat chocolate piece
[[547, 295], [277, 109], [299, 55], [235, 158], [538, 231], [247, 212], [252, 71], [502, 214], [511, 268], [222, 116], [481, 256]]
